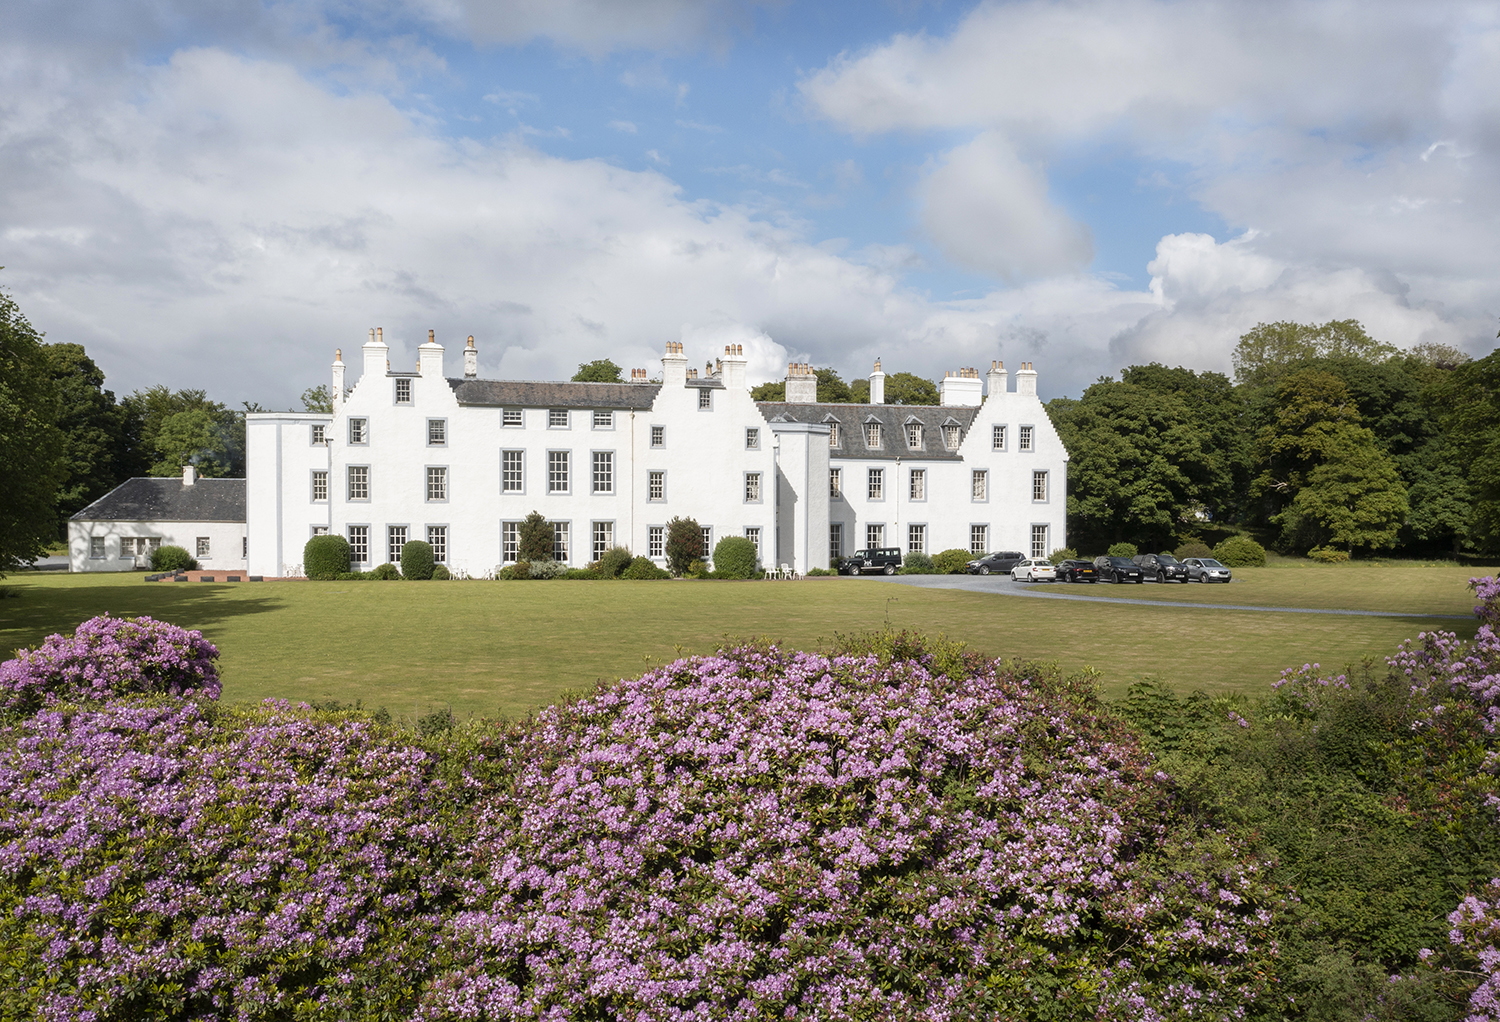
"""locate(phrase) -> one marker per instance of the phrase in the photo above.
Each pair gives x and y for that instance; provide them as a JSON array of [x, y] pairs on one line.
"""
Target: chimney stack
[[189, 475], [637, 376], [1026, 380], [430, 357], [674, 366], [801, 384], [877, 385], [337, 393], [376, 354], [471, 360], [962, 389], [998, 378], [733, 367]]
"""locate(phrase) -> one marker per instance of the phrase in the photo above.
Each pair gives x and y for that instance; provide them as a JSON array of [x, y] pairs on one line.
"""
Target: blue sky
[[219, 195]]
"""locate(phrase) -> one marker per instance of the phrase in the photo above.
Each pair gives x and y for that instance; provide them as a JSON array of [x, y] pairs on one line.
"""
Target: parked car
[[1033, 571], [1206, 569], [998, 563], [1162, 568], [1118, 569], [885, 559], [1077, 570]]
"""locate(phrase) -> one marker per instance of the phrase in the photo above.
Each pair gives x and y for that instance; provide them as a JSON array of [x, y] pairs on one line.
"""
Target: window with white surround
[[395, 539], [835, 482], [604, 418], [359, 544], [916, 538], [997, 438], [604, 472], [359, 431], [437, 538], [403, 392], [320, 485], [752, 533], [510, 541], [874, 536], [557, 418], [979, 484], [914, 436], [320, 530], [358, 482], [705, 400], [950, 437], [560, 537], [833, 434], [835, 541], [511, 417], [1038, 541], [1039, 486], [656, 541], [708, 541], [557, 471], [917, 487], [752, 439], [437, 432], [658, 436], [752, 487], [320, 434], [437, 482], [1025, 441], [872, 434], [96, 547], [656, 486], [979, 540], [604, 538], [512, 475], [875, 484]]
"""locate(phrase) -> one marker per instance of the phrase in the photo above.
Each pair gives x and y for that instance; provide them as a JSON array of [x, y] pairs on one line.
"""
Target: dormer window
[[833, 434], [872, 434], [914, 436], [950, 437]]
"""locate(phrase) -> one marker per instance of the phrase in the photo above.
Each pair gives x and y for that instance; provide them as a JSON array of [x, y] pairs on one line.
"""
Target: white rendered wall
[[226, 542], [802, 493], [280, 458]]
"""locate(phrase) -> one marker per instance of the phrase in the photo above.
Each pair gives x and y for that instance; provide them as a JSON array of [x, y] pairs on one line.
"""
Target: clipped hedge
[[416, 559], [326, 557], [951, 562], [172, 558], [1241, 552], [735, 557]]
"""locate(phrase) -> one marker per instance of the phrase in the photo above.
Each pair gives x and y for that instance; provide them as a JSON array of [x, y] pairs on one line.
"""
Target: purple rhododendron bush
[[758, 834]]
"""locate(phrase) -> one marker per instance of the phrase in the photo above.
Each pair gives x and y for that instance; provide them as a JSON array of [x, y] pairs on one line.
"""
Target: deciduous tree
[[601, 370], [31, 445]]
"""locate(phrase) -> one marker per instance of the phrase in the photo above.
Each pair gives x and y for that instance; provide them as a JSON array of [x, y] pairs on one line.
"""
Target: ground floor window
[[510, 541], [979, 539], [874, 536], [437, 538], [395, 539], [835, 541], [656, 541], [359, 544], [708, 539], [752, 533], [320, 530], [96, 546], [139, 546], [1038, 541], [604, 538], [204, 547], [916, 538], [560, 537]]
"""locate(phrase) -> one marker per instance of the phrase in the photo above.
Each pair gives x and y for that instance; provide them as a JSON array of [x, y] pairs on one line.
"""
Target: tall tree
[[31, 444], [212, 434], [1471, 397], [99, 449], [910, 389], [317, 399], [601, 370], [1263, 355]]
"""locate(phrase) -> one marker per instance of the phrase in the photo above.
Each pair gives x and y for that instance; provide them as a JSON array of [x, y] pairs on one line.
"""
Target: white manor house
[[460, 461]]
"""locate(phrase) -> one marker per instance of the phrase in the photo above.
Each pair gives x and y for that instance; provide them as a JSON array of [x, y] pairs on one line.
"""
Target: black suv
[[998, 563], [1162, 567], [884, 559], [1118, 569]]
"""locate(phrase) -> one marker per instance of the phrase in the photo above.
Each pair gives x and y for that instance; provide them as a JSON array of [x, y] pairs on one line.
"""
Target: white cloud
[[627, 127], [596, 26]]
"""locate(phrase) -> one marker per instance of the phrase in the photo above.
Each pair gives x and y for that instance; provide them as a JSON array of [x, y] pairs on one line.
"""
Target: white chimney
[[801, 384], [189, 475], [732, 367], [877, 385], [963, 389], [376, 354], [337, 393], [430, 357], [998, 378], [674, 366], [471, 360], [1026, 380]]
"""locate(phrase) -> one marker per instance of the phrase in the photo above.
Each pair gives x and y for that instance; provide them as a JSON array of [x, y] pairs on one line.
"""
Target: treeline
[[1326, 440]]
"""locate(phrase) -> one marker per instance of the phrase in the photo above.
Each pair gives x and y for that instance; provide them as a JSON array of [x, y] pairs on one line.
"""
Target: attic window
[[833, 434], [872, 434], [950, 437], [914, 436]]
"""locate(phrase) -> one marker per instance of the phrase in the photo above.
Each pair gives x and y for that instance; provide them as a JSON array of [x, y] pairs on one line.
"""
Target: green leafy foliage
[[831, 388], [1193, 548], [601, 370], [98, 442], [440, 573], [325, 557], [33, 452], [1241, 552], [910, 389], [317, 399], [1122, 550], [614, 561], [385, 573], [684, 544], [537, 538], [1327, 555], [735, 557], [172, 558], [1061, 554], [641, 568], [951, 562], [918, 563], [416, 559]]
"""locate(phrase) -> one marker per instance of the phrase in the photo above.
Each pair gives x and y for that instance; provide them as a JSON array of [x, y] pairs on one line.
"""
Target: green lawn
[[490, 647]]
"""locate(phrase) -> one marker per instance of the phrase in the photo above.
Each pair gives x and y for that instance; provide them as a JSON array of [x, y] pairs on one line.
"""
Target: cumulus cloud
[[597, 26]]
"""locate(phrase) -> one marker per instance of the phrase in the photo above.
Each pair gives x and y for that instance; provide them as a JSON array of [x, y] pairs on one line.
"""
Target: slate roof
[[167, 500], [540, 394], [892, 418]]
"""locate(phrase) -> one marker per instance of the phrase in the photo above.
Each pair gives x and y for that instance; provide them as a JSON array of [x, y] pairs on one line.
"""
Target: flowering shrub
[[109, 657], [762, 834]]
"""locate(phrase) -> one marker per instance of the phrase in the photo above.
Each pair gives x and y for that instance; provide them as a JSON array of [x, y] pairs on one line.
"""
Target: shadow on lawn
[[42, 610]]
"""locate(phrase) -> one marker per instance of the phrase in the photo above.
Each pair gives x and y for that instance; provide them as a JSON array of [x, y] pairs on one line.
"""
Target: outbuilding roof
[[168, 500], [541, 394], [893, 420]]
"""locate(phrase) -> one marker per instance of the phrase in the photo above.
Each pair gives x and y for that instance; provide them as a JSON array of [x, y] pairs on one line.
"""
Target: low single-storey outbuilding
[[119, 531]]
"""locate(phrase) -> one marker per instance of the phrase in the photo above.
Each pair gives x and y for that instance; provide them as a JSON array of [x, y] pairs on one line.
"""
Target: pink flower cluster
[[108, 657], [1476, 929]]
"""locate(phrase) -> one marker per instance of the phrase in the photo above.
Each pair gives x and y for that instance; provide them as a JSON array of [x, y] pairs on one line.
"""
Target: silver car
[[1206, 569]]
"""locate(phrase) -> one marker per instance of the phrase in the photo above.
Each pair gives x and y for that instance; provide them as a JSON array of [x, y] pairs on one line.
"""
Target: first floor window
[[979, 539], [835, 541], [560, 542], [752, 439], [203, 546], [437, 538], [752, 533], [916, 538], [1038, 541], [510, 541], [359, 482], [437, 432], [320, 434], [359, 431], [918, 488], [874, 536], [604, 538], [604, 471], [656, 541], [96, 546], [557, 471], [835, 482], [875, 484], [511, 478], [656, 486], [979, 485], [1038, 486], [752, 487], [359, 544], [997, 438], [320, 486], [658, 436], [437, 483], [395, 539], [1025, 443]]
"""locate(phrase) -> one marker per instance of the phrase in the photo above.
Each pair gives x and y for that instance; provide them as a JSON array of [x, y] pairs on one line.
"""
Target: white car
[[1034, 571]]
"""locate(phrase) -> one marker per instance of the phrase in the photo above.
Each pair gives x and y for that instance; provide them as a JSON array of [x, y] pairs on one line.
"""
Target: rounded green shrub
[[440, 573], [1241, 552], [917, 563], [1327, 555], [537, 538], [1193, 548], [684, 544], [520, 571], [698, 569], [547, 568], [735, 557], [1061, 554], [416, 559], [1123, 550], [642, 568], [614, 561], [172, 558], [326, 557], [951, 562], [386, 573]]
